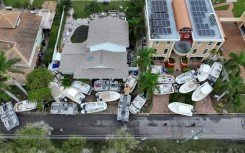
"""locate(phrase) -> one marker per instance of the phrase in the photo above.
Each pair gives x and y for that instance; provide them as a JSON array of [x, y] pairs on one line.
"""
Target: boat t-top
[[189, 86], [203, 72], [93, 107], [106, 85], [216, 69], [181, 108], [25, 105], [164, 89], [185, 77], [201, 92], [166, 79], [82, 87], [108, 96]]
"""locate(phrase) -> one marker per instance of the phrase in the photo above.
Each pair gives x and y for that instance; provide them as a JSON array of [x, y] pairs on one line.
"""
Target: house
[[20, 37], [188, 28], [103, 56]]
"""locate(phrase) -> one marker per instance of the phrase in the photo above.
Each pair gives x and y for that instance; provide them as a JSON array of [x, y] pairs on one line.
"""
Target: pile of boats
[[8, 116], [200, 83]]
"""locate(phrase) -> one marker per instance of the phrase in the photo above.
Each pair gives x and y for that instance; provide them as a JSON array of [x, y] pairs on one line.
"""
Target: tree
[[234, 63], [92, 8], [74, 145], [144, 61], [37, 84], [148, 83], [120, 142], [35, 140], [136, 28], [231, 88]]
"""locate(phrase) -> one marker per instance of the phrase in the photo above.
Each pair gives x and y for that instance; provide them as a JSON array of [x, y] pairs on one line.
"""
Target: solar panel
[[198, 20], [160, 16], [162, 31]]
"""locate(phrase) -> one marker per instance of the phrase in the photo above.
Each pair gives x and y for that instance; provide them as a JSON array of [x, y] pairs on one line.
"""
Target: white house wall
[[109, 47]]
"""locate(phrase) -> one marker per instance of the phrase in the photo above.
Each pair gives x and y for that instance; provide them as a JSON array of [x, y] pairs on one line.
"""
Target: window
[[155, 51], [187, 36], [218, 43], [168, 43], [165, 51], [198, 43], [157, 43], [194, 51], [210, 43], [205, 51]]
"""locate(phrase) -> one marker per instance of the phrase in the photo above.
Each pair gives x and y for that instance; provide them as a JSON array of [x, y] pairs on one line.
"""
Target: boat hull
[[166, 79], [25, 106], [201, 92], [108, 96], [216, 69], [181, 108], [164, 89], [94, 107], [188, 86], [203, 72], [185, 77]]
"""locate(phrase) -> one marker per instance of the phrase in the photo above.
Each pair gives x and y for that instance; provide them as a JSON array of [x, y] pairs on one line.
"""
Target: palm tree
[[136, 28], [230, 90], [144, 61], [148, 83], [234, 63]]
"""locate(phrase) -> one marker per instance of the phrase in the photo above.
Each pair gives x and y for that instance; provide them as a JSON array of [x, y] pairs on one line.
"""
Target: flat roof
[[204, 21], [161, 12]]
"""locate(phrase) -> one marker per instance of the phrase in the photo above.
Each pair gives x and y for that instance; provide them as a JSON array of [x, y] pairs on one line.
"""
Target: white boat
[[123, 108], [93, 107], [203, 72], [157, 69], [56, 91], [189, 86], [185, 77], [201, 92], [106, 85], [63, 108], [137, 104], [25, 105], [74, 95], [181, 108], [166, 79], [8, 116], [108, 96], [82, 87], [164, 89], [216, 69], [130, 84]]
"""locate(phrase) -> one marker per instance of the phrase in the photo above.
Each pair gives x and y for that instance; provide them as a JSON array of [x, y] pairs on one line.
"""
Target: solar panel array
[[198, 10], [160, 17]]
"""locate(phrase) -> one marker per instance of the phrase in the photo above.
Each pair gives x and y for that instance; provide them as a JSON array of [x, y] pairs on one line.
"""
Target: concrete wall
[[109, 47]]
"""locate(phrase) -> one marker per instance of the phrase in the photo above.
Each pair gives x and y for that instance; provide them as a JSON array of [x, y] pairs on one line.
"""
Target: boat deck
[[123, 108], [63, 108], [8, 116]]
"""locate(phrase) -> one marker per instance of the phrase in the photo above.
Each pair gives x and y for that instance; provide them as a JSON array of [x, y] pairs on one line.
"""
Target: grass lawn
[[80, 5], [38, 3], [11, 2], [218, 1], [225, 7], [239, 8]]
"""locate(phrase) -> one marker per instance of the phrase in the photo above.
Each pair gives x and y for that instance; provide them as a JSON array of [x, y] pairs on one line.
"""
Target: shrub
[[185, 69], [170, 69], [74, 16]]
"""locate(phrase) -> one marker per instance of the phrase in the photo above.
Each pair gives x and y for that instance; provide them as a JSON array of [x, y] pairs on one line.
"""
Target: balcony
[[182, 48]]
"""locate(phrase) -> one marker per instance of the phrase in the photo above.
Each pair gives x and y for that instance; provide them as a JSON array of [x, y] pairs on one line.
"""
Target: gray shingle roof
[[108, 29], [92, 65]]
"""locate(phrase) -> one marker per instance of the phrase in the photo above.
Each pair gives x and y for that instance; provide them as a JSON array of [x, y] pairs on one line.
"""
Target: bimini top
[[181, 14], [160, 20], [205, 25]]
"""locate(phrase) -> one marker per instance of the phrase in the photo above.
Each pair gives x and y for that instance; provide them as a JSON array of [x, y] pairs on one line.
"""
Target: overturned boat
[[189, 86], [201, 92], [166, 79], [108, 96], [24, 106], [164, 89], [137, 104], [106, 85], [185, 77], [82, 87], [203, 72], [93, 107], [181, 108]]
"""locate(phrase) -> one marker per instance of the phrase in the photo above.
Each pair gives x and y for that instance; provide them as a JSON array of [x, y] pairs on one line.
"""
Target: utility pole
[[194, 136]]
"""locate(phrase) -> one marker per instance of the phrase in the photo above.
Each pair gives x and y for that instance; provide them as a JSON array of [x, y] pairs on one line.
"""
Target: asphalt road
[[149, 126]]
